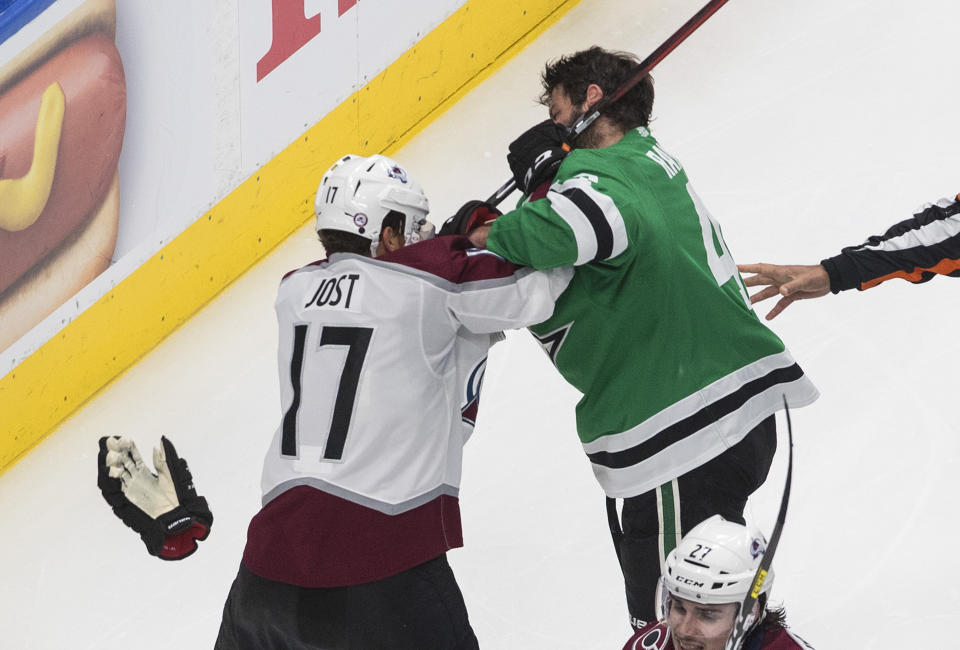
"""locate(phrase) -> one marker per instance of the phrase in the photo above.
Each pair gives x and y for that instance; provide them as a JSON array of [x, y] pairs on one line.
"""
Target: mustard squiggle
[[23, 199]]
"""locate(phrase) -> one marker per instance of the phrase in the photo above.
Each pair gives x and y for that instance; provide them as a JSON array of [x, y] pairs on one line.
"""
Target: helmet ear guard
[[357, 192]]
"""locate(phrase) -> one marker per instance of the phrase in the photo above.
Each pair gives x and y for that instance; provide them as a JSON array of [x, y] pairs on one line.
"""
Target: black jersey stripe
[[695, 422], [596, 217]]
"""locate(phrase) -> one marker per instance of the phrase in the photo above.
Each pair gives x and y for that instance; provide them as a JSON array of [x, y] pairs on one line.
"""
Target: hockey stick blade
[[738, 633], [641, 71]]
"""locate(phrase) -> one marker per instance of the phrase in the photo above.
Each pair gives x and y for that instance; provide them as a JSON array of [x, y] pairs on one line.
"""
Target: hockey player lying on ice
[[705, 578]]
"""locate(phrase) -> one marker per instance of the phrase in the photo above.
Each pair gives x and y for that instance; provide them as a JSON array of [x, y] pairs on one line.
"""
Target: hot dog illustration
[[62, 119]]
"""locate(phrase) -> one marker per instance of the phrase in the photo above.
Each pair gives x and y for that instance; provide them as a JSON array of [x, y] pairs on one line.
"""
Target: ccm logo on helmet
[[689, 581]]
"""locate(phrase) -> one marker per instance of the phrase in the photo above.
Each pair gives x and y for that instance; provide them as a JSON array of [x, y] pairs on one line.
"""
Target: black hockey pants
[[419, 609], [653, 522]]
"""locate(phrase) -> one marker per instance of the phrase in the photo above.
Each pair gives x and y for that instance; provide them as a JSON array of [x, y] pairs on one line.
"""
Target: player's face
[[562, 110], [696, 626]]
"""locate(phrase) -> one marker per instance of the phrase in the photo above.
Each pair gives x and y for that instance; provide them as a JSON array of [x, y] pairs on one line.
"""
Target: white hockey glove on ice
[[163, 507]]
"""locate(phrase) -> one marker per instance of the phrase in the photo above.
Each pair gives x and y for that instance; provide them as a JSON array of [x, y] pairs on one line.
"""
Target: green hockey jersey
[[656, 328]]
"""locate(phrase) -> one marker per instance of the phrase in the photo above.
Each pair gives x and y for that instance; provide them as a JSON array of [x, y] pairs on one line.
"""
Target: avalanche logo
[[360, 220], [756, 548], [398, 173], [468, 412], [651, 640]]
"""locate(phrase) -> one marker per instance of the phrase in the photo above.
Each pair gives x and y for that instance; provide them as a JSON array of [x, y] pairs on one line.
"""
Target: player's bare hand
[[797, 282], [478, 236]]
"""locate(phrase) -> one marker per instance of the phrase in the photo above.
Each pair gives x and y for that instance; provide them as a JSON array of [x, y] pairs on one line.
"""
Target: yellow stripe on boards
[[126, 323]]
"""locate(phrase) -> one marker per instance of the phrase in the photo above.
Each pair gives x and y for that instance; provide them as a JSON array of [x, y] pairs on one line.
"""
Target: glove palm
[[155, 494], [163, 507]]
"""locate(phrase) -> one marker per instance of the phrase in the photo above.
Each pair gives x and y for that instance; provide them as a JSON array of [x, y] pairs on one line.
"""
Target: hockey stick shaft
[[642, 70], [746, 607]]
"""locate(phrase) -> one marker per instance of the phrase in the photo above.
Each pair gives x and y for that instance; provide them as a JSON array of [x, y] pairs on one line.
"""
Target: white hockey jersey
[[381, 363]]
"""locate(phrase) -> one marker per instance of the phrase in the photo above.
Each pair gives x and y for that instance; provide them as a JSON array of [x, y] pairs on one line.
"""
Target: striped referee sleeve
[[916, 250], [593, 217]]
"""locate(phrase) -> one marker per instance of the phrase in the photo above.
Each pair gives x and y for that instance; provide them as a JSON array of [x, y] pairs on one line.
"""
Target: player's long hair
[[609, 70], [774, 617]]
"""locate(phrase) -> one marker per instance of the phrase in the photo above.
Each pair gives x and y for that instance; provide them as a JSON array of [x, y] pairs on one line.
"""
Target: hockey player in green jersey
[[680, 379]]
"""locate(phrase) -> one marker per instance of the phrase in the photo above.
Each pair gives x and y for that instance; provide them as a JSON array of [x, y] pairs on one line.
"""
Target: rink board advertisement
[[190, 138], [201, 158], [62, 119]]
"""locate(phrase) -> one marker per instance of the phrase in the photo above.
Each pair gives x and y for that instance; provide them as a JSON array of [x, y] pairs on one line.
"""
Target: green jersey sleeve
[[577, 222], [532, 236]]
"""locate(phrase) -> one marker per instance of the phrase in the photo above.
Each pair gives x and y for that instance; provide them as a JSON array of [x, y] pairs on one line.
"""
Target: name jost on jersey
[[336, 291]]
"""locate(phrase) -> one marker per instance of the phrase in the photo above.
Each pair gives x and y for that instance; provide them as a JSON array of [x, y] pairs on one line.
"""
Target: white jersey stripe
[[583, 230], [374, 504], [707, 443], [696, 447], [695, 402], [927, 235]]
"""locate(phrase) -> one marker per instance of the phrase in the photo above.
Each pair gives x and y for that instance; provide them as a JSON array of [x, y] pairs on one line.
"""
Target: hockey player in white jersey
[[705, 578], [380, 361]]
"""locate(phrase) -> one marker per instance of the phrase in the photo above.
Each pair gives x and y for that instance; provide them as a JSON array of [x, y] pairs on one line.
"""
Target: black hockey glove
[[535, 156], [470, 215], [163, 507]]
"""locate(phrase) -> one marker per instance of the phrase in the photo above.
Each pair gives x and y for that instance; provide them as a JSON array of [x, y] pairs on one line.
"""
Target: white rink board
[[805, 125], [198, 120], [351, 49]]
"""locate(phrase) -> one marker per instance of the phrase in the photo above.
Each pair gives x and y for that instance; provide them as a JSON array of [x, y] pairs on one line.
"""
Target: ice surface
[[805, 125]]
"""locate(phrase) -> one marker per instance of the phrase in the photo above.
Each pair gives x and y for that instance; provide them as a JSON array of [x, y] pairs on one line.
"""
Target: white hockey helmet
[[715, 563], [357, 192]]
